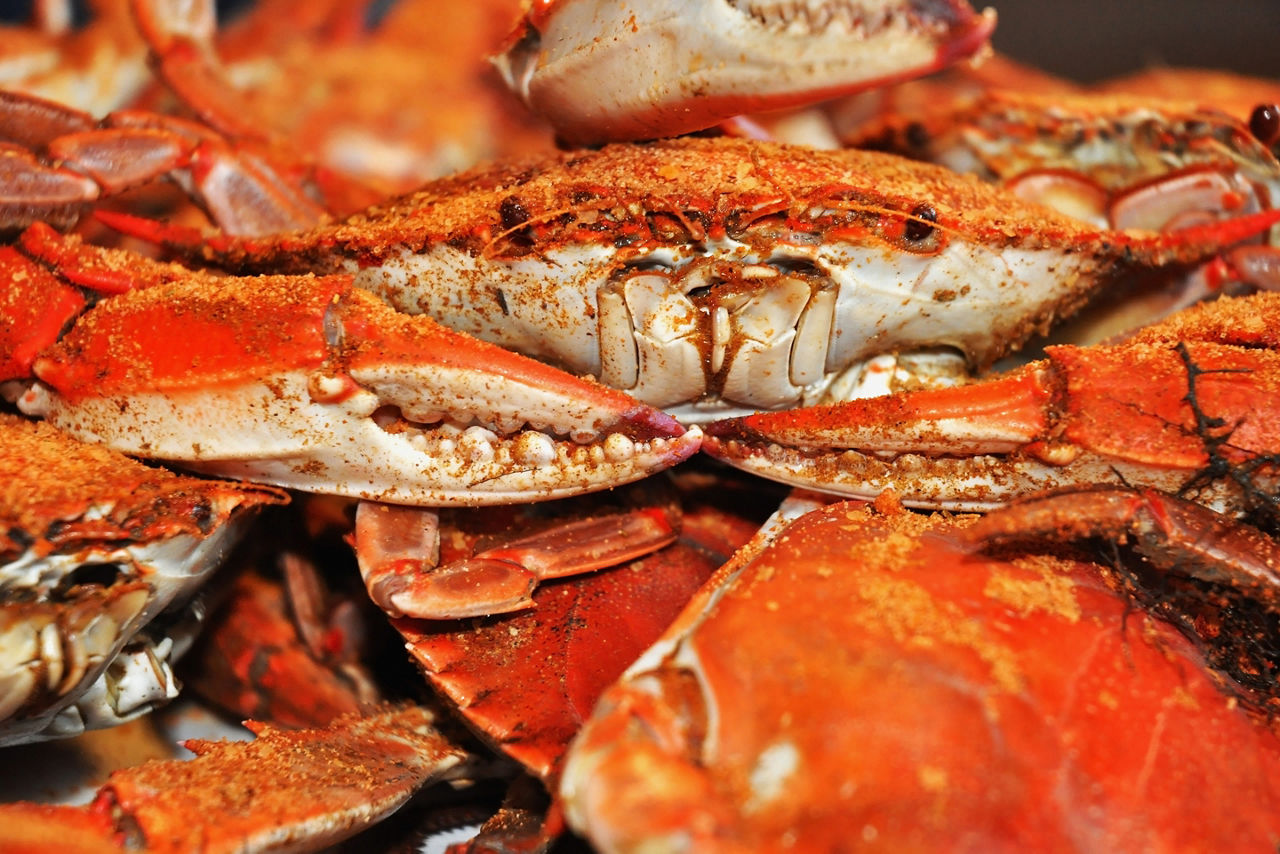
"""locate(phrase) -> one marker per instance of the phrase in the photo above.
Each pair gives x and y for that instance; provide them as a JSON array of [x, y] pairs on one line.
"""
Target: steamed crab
[[95, 548], [1180, 146], [667, 275], [634, 226], [1015, 698], [698, 274], [349, 367]]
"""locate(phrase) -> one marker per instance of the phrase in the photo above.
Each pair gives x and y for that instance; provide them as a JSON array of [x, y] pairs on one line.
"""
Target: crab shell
[[1119, 161], [707, 274], [867, 678], [96, 546]]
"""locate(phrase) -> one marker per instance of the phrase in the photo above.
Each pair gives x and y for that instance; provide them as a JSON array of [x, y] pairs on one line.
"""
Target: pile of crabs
[[799, 429]]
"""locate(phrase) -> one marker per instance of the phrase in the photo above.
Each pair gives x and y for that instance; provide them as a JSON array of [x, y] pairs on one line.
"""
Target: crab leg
[[269, 654], [314, 384], [61, 160], [1179, 535], [575, 61], [1189, 405], [526, 680], [398, 549]]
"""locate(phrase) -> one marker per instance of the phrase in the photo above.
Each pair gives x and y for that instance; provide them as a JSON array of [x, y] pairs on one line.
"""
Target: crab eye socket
[[513, 213], [920, 226], [1264, 123], [101, 574]]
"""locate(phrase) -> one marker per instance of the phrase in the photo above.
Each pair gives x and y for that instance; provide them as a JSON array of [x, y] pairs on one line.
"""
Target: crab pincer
[[574, 61], [311, 383], [1185, 406]]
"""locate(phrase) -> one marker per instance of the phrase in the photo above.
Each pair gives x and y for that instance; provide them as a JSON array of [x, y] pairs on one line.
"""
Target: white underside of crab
[[389, 440], [667, 328], [137, 681], [90, 655]]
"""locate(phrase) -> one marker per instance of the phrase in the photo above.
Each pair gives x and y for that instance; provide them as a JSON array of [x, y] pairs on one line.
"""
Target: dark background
[[1092, 39]]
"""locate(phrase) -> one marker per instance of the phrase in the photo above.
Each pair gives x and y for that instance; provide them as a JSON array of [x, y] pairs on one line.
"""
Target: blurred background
[[1092, 39]]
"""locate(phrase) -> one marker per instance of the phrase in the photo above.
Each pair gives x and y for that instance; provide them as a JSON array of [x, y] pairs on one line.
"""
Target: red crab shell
[[864, 678]]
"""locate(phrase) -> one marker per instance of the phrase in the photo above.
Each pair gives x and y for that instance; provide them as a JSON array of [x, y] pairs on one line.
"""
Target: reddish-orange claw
[[1185, 406]]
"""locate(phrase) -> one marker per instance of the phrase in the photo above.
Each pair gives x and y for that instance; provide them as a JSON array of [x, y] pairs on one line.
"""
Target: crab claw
[[316, 385], [575, 62], [1189, 406]]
